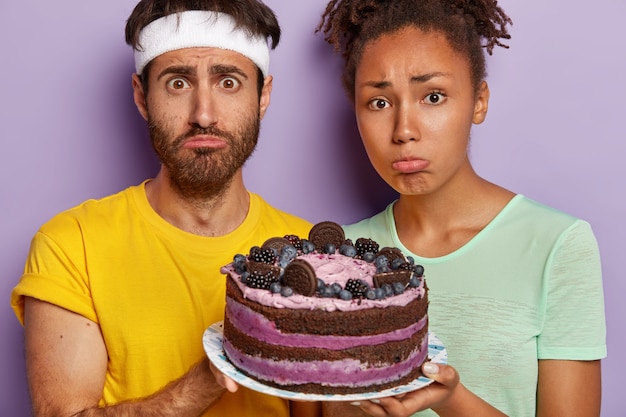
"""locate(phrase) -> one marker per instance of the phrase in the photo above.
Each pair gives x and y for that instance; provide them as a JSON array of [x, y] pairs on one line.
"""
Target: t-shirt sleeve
[[55, 271], [574, 326]]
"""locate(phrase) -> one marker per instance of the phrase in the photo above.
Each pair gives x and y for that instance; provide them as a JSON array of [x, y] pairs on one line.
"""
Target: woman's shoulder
[[376, 227]]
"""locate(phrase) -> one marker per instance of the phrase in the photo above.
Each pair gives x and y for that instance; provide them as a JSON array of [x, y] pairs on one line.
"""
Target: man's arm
[[66, 362]]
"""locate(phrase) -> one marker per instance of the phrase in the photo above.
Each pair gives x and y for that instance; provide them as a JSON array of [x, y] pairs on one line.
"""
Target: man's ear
[[266, 92], [140, 97], [481, 104]]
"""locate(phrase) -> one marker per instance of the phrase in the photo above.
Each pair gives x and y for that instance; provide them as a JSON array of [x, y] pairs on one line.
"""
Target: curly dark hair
[[252, 15], [348, 25]]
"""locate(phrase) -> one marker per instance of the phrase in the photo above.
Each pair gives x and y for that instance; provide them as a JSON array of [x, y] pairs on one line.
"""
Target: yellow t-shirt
[[151, 287]]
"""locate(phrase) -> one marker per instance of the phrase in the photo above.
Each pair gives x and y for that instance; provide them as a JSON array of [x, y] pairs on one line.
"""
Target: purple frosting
[[259, 327]]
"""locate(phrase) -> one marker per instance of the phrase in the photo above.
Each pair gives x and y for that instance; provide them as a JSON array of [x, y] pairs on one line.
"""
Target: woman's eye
[[434, 98], [229, 83], [178, 84], [378, 104]]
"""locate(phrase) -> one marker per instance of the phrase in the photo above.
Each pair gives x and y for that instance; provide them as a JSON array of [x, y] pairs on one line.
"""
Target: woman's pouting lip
[[410, 165]]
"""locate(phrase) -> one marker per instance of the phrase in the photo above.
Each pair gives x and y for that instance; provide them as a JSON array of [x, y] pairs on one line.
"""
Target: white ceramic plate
[[212, 341]]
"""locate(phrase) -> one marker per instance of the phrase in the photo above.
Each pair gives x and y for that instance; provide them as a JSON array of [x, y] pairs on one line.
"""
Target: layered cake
[[325, 315]]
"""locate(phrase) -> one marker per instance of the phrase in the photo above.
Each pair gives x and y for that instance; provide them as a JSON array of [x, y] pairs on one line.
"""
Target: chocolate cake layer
[[321, 322]]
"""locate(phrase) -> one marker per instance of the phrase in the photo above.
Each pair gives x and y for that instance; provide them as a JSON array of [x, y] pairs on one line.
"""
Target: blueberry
[[414, 282], [345, 295], [289, 252], [244, 276], [328, 291], [398, 288], [307, 246], [336, 288], [388, 290], [370, 294], [419, 270], [369, 257], [286, 291], [395, 264], [347, 250], [329, 248], [410, 260], [275, 287], [382, 264], [380, 293], [320, 285]]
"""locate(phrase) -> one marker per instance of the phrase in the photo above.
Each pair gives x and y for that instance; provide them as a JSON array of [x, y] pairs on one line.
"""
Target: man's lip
[[410, 165], [204, 142]]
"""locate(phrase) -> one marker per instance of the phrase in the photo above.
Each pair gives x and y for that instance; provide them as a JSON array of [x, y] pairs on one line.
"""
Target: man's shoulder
[[280, 220], [91, 210]]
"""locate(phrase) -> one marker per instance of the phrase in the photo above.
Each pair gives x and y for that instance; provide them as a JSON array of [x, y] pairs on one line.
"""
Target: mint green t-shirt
[[527, 287]]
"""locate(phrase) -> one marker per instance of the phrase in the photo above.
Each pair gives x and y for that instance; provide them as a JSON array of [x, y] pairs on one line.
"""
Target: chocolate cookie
[[391, 254], [300, 276], [401, 275], [277, 243], [262, 268], [326, 232]]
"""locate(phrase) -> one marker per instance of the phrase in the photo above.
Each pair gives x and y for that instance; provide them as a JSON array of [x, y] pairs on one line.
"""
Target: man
[[117, 292]]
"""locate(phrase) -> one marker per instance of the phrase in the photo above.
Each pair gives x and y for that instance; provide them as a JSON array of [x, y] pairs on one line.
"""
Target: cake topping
[[300, 276], [327, 232], [318, 267], [276, 243], [366, 246]]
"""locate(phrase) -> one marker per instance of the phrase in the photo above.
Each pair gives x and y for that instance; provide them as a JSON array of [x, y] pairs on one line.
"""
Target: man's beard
[[208, 172]]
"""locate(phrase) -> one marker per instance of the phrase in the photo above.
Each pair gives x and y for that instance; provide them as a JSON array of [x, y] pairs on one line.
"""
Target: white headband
[[194, 29]]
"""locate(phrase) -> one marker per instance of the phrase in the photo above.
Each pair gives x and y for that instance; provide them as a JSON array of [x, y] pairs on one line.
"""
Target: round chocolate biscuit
[[400, 275], [326, 232], [263, 268], [391, 254], [277, 243], [300, 276]]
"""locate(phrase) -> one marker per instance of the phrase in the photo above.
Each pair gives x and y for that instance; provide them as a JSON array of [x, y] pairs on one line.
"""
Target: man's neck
[[215, 216]]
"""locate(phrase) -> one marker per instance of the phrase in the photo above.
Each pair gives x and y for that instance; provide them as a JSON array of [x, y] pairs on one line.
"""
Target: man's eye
[[434, 98], [378, 104], [178, 84], [229, 83]]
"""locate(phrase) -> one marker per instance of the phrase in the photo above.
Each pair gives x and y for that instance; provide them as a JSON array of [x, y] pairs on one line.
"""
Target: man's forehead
[[199, 29], [205, 57]]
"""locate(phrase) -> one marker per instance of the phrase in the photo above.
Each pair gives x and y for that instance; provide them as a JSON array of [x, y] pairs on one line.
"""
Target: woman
[[515, 286]]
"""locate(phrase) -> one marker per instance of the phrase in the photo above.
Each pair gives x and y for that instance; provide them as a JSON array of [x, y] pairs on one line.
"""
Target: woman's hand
[[433, 396]]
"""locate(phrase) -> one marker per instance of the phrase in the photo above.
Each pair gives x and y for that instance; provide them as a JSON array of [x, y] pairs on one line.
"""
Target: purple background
[[70, 131]]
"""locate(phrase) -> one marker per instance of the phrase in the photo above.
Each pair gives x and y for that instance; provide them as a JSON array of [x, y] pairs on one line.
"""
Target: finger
[[443, 374], [223, 380]]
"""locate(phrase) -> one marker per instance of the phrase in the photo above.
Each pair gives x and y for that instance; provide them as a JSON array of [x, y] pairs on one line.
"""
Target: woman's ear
[[139, 97], [481, 104]]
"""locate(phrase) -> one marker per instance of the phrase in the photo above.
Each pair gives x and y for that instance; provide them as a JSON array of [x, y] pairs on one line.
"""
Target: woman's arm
[[569, 388]]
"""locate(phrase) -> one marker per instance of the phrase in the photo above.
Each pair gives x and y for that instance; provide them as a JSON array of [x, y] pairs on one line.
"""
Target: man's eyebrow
[[215, 69], [414, 79], [178, 69], [227, 69]]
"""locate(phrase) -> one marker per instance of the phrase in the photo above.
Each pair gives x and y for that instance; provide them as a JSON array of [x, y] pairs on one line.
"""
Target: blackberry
[[295, 241], [364, 245], [266, 256], [260, 280], [357, 287]]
